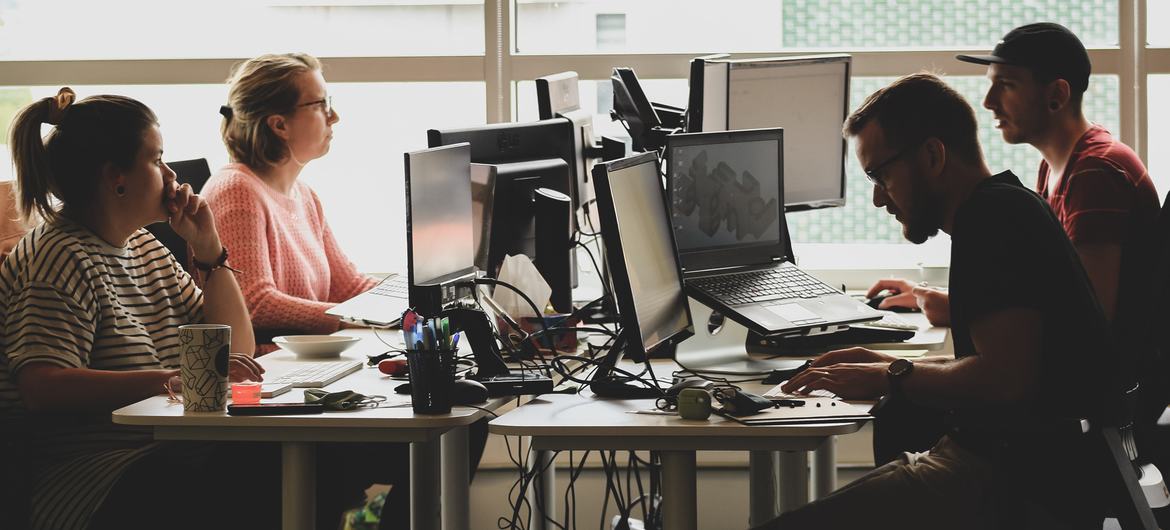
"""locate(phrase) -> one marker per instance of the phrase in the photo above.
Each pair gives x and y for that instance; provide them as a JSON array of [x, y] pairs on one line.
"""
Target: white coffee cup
[[934, 275], [203, 366]]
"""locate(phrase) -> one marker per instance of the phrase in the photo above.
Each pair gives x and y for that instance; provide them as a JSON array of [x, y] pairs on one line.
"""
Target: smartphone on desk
[[275, 409]]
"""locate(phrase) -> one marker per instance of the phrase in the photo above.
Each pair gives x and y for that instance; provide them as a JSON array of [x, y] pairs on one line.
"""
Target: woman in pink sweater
[[279, 118]]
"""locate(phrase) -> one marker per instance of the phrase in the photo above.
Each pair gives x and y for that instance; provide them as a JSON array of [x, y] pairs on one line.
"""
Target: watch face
[[900, 367]]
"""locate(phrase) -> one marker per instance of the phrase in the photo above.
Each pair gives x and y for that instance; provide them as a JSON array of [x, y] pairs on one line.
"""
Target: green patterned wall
[[859, 24], [860, 222]]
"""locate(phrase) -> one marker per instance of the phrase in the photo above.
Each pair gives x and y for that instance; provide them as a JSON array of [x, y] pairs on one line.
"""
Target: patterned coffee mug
[[203, 366]]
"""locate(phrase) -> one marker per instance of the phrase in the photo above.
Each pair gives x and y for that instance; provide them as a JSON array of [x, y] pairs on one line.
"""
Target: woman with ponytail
[[278, 119], [90, 305]]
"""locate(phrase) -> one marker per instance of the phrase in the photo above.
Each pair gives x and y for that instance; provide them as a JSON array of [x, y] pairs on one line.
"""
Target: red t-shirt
[[1104, 189]]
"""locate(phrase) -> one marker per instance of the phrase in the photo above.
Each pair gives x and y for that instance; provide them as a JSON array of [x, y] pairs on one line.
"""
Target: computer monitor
[[440, 245], [500, 143], [808, 96], [483, 197], [514, 216], [643, 264], [557, 96], [527, 156]]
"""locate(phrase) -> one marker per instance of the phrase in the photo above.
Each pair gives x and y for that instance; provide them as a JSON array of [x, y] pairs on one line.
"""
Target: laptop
[[726, 193], [381, 306]]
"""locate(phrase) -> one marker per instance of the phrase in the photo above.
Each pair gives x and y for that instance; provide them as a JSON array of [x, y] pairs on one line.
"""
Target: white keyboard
[[317, 375], [891, 321]]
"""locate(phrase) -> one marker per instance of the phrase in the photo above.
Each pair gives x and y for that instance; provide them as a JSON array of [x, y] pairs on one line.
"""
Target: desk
[[575, 422], [438, 443]]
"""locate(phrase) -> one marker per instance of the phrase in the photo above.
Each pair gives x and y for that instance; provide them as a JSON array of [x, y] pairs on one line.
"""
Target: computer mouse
[[701, 384], [467, 392], [877, 301]]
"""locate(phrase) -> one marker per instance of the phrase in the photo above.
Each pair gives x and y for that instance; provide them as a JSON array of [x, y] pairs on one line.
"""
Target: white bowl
[[316, 346]]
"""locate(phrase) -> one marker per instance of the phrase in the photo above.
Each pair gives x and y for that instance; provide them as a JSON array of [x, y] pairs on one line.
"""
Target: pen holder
[[431, 374]]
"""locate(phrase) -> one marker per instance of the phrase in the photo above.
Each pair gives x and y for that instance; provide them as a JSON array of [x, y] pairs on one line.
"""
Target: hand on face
[[191, 218]]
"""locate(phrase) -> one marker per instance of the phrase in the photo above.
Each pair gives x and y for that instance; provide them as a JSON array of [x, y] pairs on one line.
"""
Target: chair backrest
[[194, 172]]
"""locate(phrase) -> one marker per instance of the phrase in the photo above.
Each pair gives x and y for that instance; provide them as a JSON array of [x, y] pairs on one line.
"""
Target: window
[[360, 181], [1159, 136], [399, 67], [141, 29], [1157, 10], [657, 26], [859, 221]]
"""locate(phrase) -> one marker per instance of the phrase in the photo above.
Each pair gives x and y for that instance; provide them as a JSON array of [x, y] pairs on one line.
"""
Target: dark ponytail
[[68, 162]]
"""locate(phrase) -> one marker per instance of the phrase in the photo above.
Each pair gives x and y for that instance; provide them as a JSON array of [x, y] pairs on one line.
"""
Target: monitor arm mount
[[475, 325]]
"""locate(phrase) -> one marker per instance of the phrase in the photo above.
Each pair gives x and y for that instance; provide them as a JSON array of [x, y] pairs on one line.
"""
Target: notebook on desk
[[726, 195], [381, 306], [812, 410]]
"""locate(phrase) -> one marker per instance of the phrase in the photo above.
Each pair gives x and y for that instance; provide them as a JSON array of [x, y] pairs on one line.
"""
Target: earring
[[120, 190]]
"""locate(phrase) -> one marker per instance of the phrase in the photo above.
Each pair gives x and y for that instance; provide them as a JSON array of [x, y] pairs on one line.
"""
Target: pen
[[653, 412]]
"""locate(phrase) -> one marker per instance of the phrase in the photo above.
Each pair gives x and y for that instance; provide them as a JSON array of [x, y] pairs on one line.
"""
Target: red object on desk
[[393, 366]]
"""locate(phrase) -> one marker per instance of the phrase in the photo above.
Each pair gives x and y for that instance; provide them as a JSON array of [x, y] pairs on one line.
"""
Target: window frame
[[501, 67]]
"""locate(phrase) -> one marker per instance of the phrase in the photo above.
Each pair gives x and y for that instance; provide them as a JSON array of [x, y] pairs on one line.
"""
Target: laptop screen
[[727, 195]]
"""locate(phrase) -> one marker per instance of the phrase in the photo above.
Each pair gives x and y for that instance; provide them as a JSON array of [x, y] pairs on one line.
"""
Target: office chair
[[194, 172], [1129, 502]]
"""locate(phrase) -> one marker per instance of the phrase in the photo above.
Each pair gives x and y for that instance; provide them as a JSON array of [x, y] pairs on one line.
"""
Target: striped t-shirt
[[70, 299]]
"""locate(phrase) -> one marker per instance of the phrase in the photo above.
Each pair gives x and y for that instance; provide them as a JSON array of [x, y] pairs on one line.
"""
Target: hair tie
[[60, 104], [226, 111]]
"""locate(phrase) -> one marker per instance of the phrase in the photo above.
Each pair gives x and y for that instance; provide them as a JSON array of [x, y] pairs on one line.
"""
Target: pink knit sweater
[[291, 269]]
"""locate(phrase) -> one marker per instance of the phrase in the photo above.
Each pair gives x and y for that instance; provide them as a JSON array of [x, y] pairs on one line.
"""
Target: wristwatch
[[898, 371]]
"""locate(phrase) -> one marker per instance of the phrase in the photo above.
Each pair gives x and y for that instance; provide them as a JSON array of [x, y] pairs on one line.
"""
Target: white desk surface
[[393, 421], [570, 421]]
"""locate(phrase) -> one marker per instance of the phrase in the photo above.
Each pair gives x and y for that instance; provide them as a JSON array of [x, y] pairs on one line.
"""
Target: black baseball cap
[[1044, 47]]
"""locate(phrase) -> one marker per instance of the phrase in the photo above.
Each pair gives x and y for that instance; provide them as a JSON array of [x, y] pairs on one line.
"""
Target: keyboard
[[317, 375], [890, 321], [763, 285], [394, 287]]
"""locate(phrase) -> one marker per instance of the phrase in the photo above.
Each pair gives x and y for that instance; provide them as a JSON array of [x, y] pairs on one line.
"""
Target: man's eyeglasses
[[876, 174], [326, 104]]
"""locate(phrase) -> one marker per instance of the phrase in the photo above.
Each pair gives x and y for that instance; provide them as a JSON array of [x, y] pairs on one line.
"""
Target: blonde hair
[[259, 88], [68, 162]]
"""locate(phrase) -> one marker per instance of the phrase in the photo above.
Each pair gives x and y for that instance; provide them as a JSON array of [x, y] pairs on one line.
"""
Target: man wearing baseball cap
[[1097, 186]]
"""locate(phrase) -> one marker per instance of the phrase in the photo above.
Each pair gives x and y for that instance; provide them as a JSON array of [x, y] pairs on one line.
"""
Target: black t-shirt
[[1009, 251]]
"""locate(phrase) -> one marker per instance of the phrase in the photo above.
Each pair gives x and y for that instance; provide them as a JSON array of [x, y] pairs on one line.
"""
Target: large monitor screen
[[644, 263], [440, 223], [806, 96]]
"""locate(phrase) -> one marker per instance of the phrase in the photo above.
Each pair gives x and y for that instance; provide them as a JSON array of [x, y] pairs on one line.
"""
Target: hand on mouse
[[895, 293]]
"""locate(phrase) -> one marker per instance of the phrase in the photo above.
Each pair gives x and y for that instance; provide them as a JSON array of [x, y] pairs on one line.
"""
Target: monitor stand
[[606, 383], [719, 346], [490, 368]]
